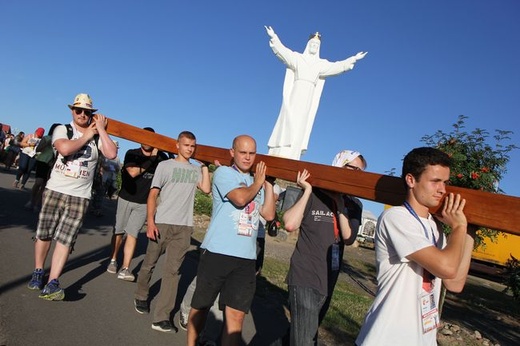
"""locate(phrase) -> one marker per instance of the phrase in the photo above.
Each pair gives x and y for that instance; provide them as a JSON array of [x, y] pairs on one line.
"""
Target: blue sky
[[206, 66]]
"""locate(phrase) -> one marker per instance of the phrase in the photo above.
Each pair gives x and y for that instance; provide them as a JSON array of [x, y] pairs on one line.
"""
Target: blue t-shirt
[[233, 231]]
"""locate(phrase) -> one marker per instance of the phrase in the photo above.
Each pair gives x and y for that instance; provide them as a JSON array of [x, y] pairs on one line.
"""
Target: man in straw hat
[[68, 190]]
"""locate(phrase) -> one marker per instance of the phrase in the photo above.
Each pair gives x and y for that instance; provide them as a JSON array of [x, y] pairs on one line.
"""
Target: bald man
[[228, 257]]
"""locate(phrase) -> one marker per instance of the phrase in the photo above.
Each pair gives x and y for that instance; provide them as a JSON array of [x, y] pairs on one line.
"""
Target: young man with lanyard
[[327, 221], [136, 178], [413, 257], [68, 191], [228, 258]]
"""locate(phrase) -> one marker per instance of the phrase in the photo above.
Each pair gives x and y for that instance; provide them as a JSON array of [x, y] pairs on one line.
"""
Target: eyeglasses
[[356, 168], [87, 112]]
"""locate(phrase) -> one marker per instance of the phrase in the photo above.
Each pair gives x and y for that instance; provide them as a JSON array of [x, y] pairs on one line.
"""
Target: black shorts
[[233, 277]]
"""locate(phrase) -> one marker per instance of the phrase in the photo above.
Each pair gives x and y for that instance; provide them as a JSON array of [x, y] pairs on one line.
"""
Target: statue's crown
[[316, 35]]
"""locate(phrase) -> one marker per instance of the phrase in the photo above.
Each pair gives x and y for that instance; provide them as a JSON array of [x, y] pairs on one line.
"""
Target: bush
[[203, 204]]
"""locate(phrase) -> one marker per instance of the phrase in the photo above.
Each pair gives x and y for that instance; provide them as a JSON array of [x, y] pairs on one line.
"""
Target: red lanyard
[[335, 220]]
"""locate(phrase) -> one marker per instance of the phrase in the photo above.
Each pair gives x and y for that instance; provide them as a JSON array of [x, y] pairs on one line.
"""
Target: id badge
[[335, 257], [429, 312], [245, 224], [72, 170]]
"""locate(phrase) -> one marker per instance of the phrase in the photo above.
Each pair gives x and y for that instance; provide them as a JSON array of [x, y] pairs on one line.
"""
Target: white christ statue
[[304, 79]]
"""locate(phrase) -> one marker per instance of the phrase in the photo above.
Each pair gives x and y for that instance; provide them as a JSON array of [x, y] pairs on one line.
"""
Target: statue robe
[[304, 80]]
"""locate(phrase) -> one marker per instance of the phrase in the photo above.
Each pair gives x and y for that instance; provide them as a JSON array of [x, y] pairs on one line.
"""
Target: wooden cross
[[485, 209]]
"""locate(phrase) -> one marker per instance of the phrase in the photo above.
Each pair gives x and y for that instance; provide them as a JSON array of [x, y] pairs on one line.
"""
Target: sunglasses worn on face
[[87, 112], [353, 167]]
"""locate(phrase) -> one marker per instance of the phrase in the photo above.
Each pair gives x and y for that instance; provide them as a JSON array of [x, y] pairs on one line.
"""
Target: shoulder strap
[[70, 132]]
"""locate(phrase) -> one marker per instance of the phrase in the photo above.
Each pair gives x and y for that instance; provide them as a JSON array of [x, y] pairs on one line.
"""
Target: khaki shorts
[[130, 217]]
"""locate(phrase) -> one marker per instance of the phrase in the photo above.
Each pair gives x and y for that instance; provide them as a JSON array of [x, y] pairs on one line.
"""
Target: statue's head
[[313, 45]]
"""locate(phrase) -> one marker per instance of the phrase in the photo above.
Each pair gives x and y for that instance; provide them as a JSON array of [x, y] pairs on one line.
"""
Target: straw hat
[[82, 101]]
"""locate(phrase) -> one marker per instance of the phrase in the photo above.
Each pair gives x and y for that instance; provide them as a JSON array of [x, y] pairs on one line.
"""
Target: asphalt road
[[98, 308]]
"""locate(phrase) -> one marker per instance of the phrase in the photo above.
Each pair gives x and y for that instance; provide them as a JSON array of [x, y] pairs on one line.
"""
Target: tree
[[477, 164]]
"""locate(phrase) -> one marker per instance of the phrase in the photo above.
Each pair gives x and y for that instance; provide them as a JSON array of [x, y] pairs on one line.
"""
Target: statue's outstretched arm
[[360, 55], [270, 31], [337, 67]]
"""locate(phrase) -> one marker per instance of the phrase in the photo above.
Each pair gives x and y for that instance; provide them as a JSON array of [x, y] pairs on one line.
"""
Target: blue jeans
[[25, 166], [306, 304]]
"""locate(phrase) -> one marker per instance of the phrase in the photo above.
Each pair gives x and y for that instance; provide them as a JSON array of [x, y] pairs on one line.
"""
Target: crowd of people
[[413, 257]]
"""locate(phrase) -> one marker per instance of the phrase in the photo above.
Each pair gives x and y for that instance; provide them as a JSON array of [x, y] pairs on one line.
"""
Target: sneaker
[[36, 282], [141, 306], [112, 267], [15, 184], [163, 326], [183, 321], [124, 274], [53, 291]]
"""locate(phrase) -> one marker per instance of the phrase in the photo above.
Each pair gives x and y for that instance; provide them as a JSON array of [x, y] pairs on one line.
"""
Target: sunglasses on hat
[[87, 112], [353, 167]]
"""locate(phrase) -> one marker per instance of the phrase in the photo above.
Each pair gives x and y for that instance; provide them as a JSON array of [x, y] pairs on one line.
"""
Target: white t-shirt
[[394, 317], [33, 143], [74, 174]]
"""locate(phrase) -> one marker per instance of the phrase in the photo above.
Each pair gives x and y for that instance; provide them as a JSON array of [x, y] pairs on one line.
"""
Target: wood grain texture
[[496, 211]]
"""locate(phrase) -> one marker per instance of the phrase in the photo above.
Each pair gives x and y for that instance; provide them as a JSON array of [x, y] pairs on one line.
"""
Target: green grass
[[346, 312]]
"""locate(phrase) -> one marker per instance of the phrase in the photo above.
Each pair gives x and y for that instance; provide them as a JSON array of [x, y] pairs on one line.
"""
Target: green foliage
[[119, 180], [476, 164], [203, 204], [513, 277]]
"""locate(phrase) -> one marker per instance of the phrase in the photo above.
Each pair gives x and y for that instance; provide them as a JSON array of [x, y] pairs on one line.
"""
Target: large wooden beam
[[496, 211]]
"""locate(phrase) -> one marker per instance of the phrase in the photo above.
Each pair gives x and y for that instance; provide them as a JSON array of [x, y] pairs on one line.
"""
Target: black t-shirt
[[311, 260], [136, 189]]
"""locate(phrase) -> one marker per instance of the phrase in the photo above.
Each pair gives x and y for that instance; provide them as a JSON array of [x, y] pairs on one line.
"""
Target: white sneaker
[[183, 321], [124, 274], [112, 267]]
